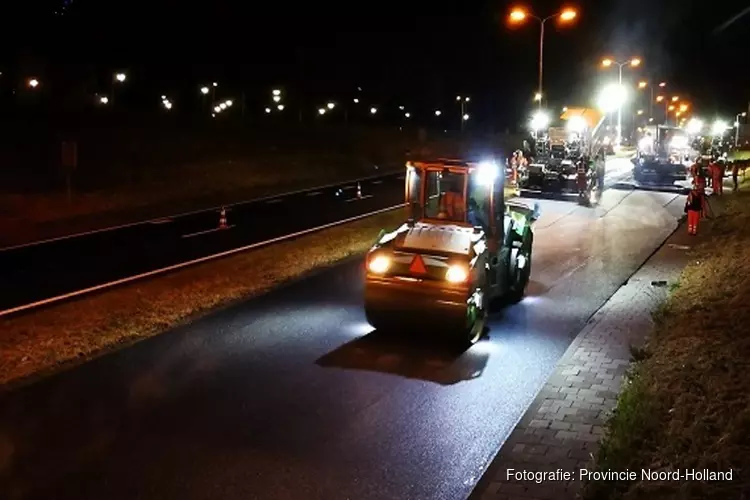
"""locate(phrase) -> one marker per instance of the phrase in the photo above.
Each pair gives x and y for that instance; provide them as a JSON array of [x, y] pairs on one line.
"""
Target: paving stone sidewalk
[[562, 427]]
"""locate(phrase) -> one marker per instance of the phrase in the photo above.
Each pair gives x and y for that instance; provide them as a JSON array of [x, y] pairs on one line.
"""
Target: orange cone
[[223, 218]]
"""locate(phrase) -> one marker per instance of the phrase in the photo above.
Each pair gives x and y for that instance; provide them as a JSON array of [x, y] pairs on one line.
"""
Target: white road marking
[[174, 267], [361, 198], [277, 200], [207, 231], [353, 186], [161, 221], [192, 212], [377, 182], [315, 193]]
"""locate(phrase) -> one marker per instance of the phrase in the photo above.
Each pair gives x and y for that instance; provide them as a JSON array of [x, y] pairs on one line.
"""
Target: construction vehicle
[[462, 247], [660, 155]]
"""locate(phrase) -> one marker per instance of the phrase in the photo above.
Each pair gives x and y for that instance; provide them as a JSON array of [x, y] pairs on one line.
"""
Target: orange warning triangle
[[417, 265]]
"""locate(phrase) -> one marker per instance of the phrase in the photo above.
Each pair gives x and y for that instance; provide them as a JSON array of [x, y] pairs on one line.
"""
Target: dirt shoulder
[[685, 406], [70, 333]]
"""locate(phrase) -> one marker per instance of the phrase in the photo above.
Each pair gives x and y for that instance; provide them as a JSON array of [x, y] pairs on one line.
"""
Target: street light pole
[[519, 15], [541, 58], [619, 108]]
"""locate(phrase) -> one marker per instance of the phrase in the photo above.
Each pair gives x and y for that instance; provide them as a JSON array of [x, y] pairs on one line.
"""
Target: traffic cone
[[359, 190], [223, 218]]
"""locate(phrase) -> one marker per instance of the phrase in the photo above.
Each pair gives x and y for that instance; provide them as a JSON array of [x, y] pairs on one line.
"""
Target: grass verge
[[685, 406], [70, 333]]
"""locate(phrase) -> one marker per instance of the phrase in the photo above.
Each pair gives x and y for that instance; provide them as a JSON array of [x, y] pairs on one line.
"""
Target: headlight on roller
[[457, 274], [379, 264]]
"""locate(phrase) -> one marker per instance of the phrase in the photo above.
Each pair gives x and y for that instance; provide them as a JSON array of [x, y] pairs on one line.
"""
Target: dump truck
[[461, 247]]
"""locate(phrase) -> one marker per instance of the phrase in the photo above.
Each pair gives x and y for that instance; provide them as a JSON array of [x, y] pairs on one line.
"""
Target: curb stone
[[562, 427]]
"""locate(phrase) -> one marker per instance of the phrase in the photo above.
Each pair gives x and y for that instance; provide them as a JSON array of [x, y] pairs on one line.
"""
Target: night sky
[[421, 54]]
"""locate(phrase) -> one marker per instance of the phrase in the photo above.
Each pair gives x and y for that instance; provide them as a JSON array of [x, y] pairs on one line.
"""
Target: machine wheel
[[520, 275], [476, 318]]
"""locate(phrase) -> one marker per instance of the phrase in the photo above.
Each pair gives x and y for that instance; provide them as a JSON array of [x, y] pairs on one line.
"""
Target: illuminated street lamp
[[276, 98], [373, 110], [223, 106], [465, 117], [204, 90], [330, 105], [33, 83], [120, 77], [321, 111], [217, 109], [355, 100], [407, 115], [103, 100], [268, 110], [675, 98], [438, 112], [519, 15], [683, 108], [663, 84], [633, 62], [640, 112]]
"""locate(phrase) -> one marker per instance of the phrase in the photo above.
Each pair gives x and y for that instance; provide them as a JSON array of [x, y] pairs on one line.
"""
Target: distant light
[[538, 96], [167, 104], [458, 97], [635, 62], [104, 99], [468, 99], [663, 84], [407, 115], [675, 98], [204, 90], [120, 77], [268, 110], [330, 105], [683, 107], [642, 85], [540, 120], [466, 116], [612, 97], [229, 102], [694, 126], [438, 112], [217, 109], [640, 111], [373, 110], [356, 101], [607, 62], [215, 84], [163, 97], [565, 109], [223, 105], [719, 127], [33, 83], [276, 92], [276, 98], [322, 111], [401, 108], [659, 98], [280, 107]]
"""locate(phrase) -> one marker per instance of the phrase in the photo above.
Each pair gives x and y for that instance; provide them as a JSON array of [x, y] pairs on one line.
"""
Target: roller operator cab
[[461, 247]]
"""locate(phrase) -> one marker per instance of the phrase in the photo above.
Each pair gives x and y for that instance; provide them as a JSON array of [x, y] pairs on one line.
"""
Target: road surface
[[33, 273], [39, 272], [291, 395]]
